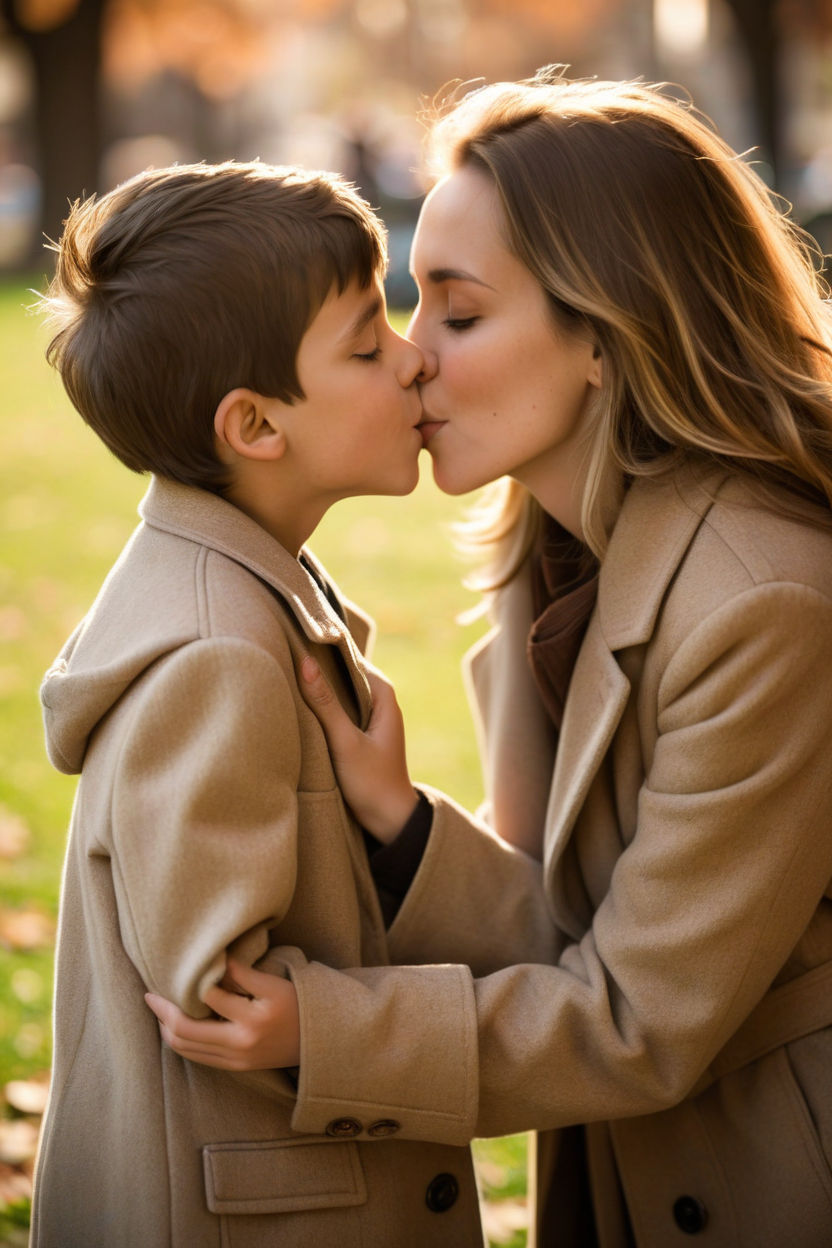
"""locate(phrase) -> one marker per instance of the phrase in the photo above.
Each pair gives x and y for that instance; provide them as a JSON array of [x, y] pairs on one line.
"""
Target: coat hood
[[116, 642]]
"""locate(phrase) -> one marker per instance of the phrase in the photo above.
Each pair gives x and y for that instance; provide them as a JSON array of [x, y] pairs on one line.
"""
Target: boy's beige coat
[[686, 1011], [207, 816]]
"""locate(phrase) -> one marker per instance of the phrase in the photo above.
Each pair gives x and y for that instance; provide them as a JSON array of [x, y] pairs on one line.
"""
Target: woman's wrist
[[385, 825]]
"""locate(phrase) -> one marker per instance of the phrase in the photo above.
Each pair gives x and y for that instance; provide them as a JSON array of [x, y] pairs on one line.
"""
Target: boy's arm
[[204, 816]]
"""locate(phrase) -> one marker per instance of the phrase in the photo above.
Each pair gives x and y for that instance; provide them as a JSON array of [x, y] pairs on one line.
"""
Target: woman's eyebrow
[[438, 276]]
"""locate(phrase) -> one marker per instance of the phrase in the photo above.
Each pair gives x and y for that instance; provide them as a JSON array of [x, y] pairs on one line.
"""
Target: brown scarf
[[564, 588]]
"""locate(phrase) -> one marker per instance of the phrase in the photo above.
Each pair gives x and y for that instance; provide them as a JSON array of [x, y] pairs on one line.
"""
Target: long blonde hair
[[705, 301]]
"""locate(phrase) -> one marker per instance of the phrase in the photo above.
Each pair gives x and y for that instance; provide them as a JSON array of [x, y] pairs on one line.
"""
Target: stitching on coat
[[203, 612]]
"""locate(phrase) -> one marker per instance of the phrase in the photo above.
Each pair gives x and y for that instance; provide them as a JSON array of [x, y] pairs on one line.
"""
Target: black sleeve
[[393, 866]]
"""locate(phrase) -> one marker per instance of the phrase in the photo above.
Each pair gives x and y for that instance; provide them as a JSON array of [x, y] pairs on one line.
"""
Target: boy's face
[[355, 432]]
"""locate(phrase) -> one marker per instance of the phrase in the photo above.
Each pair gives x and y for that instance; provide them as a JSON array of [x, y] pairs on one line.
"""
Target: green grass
[[66, 509]]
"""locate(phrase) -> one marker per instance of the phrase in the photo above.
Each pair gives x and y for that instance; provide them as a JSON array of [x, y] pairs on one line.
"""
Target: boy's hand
[[259, 1031], [371, 766]]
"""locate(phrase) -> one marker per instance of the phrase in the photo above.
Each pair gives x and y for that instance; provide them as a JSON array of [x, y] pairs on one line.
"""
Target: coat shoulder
[[742, 545], [741, 548], [770, 544]]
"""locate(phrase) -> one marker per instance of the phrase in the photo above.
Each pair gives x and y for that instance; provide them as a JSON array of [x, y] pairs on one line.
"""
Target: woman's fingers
[[339, 728], [320, 698], [258, 1031], [371, 766], [231, 1006], [240, 979], [181, 1031], [384, 695], [343, 737], [378, 682]]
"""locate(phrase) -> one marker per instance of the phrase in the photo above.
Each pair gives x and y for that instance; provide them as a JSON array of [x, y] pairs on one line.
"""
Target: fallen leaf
[[491, 1173], [14, 834], [28, 1096], [18, 1140], [502, 1218], [26, 929], [14, 1185]]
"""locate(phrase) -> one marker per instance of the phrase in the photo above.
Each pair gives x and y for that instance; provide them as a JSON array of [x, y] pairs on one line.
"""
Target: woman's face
[[505, 391]]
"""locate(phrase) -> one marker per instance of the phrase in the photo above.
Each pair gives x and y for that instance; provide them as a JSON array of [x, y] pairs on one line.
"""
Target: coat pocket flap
[[283, 1176]]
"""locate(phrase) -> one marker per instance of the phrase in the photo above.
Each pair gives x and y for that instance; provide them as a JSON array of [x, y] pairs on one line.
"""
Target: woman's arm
[[731, 857], [496, 912]]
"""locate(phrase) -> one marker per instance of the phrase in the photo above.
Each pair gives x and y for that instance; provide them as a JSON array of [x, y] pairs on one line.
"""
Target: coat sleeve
[[731, 856], [204, 815], [468, 874]]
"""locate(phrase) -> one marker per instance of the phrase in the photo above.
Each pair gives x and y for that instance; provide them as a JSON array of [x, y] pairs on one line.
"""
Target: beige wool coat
[[207, 817], [681, 1002]]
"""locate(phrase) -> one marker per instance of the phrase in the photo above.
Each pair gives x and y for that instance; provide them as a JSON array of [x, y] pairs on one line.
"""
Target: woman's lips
[[428, 429]]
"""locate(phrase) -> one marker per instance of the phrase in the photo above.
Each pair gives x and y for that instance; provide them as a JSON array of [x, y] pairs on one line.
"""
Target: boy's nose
[[412, 363]]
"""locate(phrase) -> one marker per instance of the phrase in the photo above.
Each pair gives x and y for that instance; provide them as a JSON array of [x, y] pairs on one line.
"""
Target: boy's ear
[[249, 424]]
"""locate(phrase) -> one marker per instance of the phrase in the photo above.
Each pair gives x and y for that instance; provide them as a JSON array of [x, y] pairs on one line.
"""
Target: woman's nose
[[413, 331]]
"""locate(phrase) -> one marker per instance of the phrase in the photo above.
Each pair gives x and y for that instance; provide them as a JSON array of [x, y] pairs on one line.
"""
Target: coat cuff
[[366, 1071]]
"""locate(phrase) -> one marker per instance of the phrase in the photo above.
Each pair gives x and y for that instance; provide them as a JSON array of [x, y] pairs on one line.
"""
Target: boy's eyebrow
[[362, 320]]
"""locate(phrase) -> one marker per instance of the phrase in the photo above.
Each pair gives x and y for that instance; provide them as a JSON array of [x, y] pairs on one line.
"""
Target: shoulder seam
[[707, 522]]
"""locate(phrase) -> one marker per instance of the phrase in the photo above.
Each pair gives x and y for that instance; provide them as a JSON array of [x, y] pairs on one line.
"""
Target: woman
[[619, 321]]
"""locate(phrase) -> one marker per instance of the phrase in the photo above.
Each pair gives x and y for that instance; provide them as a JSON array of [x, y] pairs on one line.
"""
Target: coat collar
[[203, 517], [656, 525], [654, 529]]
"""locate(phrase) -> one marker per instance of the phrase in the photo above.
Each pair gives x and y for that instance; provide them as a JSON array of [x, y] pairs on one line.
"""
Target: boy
[[222, 327]]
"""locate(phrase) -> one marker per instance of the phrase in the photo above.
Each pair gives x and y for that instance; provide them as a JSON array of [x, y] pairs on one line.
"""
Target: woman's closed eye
[[459, 323], [367, 356]]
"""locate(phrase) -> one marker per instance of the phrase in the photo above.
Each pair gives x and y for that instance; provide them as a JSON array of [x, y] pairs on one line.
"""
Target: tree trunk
[[66, 62], [757, 27]]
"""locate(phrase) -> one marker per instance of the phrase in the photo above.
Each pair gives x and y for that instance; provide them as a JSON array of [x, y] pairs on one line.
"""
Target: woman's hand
[[258, 1031], [371, 766]]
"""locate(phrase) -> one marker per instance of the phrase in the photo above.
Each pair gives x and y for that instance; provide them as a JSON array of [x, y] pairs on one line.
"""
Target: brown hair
[[189, 281], [647, 230]]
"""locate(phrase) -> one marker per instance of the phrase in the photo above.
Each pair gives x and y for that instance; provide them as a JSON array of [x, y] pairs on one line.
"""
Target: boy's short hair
[[187, 282]]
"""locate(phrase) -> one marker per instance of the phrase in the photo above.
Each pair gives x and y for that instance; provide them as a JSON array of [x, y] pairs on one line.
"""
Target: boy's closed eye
[[372, 354]]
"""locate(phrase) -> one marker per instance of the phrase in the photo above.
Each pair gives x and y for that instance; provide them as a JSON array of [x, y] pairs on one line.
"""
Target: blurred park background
[[92, 91]]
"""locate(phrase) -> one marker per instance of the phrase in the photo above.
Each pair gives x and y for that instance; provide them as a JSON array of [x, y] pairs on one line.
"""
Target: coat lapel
[[597, 697], [655, 527], [202, 517]]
